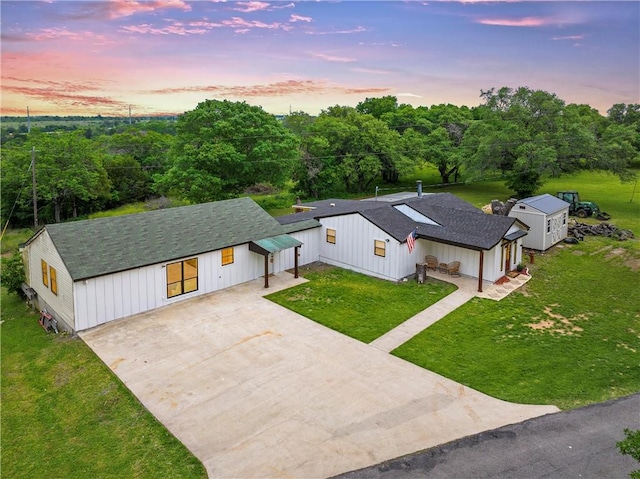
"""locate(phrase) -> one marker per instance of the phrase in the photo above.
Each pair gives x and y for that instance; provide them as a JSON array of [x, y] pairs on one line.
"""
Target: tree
[[359, 148], [223, 147], [70, 173], [135, 157], [378, 107], [12, 274], [70, 176]]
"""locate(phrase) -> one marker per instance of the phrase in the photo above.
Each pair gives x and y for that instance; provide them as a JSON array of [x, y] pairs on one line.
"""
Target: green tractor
[[582, 209]]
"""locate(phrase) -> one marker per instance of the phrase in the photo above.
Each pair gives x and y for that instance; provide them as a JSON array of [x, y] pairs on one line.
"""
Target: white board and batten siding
[[355, 245], [545, 229], [118, 295], [60, 305], [469, 259], [309, 251]]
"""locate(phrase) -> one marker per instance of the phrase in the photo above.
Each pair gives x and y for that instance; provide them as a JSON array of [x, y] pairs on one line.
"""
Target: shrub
[[631, 447]]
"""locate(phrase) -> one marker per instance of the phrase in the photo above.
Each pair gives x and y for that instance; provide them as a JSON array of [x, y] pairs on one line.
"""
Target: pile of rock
[[580, 230]]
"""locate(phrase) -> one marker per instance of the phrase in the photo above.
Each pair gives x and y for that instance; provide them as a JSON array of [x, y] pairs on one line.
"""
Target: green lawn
[[570, 337], [65, 415], [357, 305]]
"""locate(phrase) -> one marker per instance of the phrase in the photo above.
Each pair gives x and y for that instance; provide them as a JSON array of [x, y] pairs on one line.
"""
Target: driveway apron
[[255, 390]]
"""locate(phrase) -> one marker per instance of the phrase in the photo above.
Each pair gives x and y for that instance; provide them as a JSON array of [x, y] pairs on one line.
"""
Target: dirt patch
[[616, 252], [633, 263], [602, 250], [555, 323], [317, 267]]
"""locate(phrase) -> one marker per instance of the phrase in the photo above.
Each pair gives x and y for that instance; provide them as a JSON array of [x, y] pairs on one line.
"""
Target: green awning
[[273, 244]]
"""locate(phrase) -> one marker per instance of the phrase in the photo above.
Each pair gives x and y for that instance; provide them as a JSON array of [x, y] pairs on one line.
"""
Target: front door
[[507, 257]]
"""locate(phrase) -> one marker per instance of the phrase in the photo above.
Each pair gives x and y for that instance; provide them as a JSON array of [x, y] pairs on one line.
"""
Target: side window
[[227, 256], [548, 226], [379, 247], [45, 273], [331, 236], [564, 218], [54, 280]]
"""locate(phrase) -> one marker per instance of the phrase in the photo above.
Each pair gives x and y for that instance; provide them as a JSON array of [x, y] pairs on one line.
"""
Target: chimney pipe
[[419, 182]]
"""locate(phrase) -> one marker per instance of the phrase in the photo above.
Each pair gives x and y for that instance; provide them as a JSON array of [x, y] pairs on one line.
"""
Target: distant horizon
[[162, 58]]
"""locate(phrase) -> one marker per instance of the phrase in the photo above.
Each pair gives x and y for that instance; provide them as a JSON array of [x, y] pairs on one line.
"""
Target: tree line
[[222, 148]]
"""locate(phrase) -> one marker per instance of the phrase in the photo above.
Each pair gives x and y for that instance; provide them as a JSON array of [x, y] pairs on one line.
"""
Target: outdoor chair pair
[[452, 268]]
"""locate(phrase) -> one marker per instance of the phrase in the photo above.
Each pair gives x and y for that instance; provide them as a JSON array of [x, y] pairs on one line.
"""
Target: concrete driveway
[[255, 390]]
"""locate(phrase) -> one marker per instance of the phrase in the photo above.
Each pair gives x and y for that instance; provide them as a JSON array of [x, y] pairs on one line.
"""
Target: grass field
[[357, 305], [65, 415], [569, 337]]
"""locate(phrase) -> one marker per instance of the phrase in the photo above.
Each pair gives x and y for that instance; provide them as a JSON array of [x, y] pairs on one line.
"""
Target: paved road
[[575, 444]]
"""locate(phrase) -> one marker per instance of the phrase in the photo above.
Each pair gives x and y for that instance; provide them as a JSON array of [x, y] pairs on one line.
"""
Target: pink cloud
[[63, 98], [358, 29], [519, 22], [62, 33], [240, 23], [282, 88], [569, 37], [299, 18], [246, 7], [126, 8], [331, 58], [371, 71], [175, 29]]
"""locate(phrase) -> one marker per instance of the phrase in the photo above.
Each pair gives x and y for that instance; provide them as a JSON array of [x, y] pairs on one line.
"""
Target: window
[[379, 247], [182, 277], [564, 218], [54, 280], [45, 273], [227, 256], [548, 226], [331, 236]]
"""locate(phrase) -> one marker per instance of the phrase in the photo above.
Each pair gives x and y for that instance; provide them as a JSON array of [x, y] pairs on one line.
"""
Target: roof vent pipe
[[419, 182]]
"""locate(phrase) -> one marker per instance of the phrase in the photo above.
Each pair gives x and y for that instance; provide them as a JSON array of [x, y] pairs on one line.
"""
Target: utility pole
[[33, 179]]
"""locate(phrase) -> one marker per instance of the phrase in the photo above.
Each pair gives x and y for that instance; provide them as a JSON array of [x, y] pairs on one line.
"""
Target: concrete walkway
[[467, 289]]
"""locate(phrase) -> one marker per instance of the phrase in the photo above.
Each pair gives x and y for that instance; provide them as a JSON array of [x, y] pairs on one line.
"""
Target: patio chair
[[432, 262], [453, 268]]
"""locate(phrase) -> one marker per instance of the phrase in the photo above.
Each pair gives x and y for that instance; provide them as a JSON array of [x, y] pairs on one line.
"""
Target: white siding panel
[[309, 251], [62, 304], [127, 307], [354, 247], [535, 220]]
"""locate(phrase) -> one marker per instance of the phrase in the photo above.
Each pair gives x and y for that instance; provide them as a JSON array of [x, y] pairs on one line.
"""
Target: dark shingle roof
[[107, 245], [460, 223]]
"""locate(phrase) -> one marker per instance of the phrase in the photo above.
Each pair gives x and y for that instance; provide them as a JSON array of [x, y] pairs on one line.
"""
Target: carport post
[[480, 272], [266, 270], [295, 261]]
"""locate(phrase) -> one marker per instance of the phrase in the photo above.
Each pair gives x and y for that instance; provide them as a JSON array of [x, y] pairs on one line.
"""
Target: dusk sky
[[166, 56]]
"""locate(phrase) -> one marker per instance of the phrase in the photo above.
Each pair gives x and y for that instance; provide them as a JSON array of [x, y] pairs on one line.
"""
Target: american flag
[[411, 240]]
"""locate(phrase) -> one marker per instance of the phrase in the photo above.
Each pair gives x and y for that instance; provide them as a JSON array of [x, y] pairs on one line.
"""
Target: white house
[[370, 236], [86, 273], [547, 218]]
